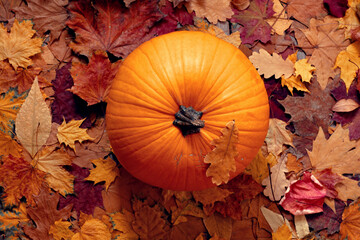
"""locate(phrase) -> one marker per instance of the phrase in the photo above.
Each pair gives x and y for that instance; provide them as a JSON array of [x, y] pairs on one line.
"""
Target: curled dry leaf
[[345, 105], [240, 4], [222, 157]]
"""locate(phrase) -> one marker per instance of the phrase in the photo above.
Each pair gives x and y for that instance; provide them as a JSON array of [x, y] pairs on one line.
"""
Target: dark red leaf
[[337, 8]]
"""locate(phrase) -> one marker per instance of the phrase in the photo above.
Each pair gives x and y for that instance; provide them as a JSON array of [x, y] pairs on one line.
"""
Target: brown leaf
[[213, 12], [345, 105], [218, 225], [9, 146], [6, 7], [277, 136], [222, 157], [122, 222], [240, 4], [350, 222], [303, 11], [211, 195]]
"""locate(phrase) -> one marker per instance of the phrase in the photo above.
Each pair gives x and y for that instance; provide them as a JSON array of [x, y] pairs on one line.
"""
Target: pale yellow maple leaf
[[105, 170], [351, 20], [279, 22], [93, 229], [18, 45], [269, 65], [50, 161], [258, 168], [60, 230], [69, 133], [304, 70], [213, 10], [294, 82], [277, 136], [222, 157], [349, 61], [122, 222]]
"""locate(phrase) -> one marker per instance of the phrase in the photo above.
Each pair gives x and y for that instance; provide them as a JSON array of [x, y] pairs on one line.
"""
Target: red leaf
[[328, 179], [304, 196]]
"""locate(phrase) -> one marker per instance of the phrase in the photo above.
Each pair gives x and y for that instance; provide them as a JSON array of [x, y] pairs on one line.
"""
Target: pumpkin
[[173, 78]]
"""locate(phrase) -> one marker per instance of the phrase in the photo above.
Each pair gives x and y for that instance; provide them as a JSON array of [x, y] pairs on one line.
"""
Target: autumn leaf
[[293, 82], [293, 164], [282, 233], [69, 133], [12, 219], [258, 168], [92, 82], [33, 122], [60, 230], [211, 195], [350, 21], [350, 222], [304, 70], [213, 12], [269, 65], [9, 146], [280, 21], [329, 180], [46, 15], [18, 45], [122, 222], [277, 136], [50, 161], [108, 26], [303, 11], [222, 157], [219, 226], [105, 170], [93, 229], [275, 220], [345, 105], [10, 104], [19, 179]]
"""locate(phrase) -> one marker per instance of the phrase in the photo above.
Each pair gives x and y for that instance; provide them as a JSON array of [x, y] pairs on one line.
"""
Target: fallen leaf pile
[[60, 180]]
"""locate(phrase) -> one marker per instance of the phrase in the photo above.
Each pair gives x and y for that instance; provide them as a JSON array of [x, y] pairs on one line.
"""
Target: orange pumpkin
[[187, 69]]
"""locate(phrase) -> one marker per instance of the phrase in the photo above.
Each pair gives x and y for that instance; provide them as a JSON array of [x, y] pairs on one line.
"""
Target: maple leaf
[[20, 179], [303, 11], [350, 222], [276, 184], [219, 226], [10, 219], [106, 170], [211, 195], [108, 26], [258, 168], [279, 22], [50, 161], [350, 21], [10, 104], [93, 229], [304, 196], [268, 65], [46, 15], [33, 122], [222, 157], [282, 233], [92, 82], [69, 133], [277, 136], [9, 146], [293, 164], [293, 82], [18, 45], [323, 41], [347, 189], [304, 69], [213, 12], [253, 20], [60, 230], [349, 61], [6, 7], [122, 222]]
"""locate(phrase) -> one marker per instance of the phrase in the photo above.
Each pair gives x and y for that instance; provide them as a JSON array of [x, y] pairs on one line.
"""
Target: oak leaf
[[276, 184], [222, 157], [108, 26], [218, 225], [33, 122], [46, 15], [122, 222], [20, 179], [277, 136], [304, 70], [92, 82], [258, 168], [18, 45], [69, 133], [50, 161], [60, 230], [269, 65], [9, 146], [10, 104], [105, 170], [350, 222], [213, 11], [349, 61]]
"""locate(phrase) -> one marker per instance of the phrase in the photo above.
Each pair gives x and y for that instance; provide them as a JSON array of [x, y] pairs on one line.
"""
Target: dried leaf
[[211, 195], [277, 136], [303, 11], [275, 220], [293, 82], [10, 104], [122, 222], [268, 65], [293, 164], [106, 170], [33, 122], [240, 4], [258, 168], [69, 133], [213, 12], [222, 157], [301, 226], [282, 233], [11, 219], [9, 146], [350, 222], [18, 45], [345, 105], [93, 229], [350, 21], [60, 230], [219, 226], [280, 21], [304, 69], [347, 189]]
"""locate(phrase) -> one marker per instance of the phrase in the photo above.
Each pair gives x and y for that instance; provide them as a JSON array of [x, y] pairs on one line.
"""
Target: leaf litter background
[[60, 180]]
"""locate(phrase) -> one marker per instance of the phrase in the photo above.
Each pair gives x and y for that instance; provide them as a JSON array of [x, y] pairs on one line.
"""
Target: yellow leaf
[[106, 170], [50, 161], [18, 45], [122, 222], [293, 164], [345, 105], [93, 229], [293, 82], [350, 21], [33, 122], [9, 107], [283, 233], [258, 168], [277, 136], [349, 61], [219, 226], [279, 22], [350, 225], [268, 65], [304, 69], [213, 12], [222, 157], [60, 230], [69, 133], [9, 146]]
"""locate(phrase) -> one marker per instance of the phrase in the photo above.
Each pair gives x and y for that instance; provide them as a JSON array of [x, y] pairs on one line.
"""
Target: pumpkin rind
[[190, 69]]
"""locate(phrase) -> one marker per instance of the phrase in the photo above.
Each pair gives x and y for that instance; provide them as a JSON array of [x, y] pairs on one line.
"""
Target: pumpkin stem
[[188, 120]]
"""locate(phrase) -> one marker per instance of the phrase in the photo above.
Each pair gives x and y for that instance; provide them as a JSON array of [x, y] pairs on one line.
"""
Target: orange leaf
[[218, 225], [213, 12], [106, 170], [122, 222], [211, 195], [350, 222], [93, 229], [60, 230], [20, 179], [282, 233], [9, 107], [9, 146], [222, 157]]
